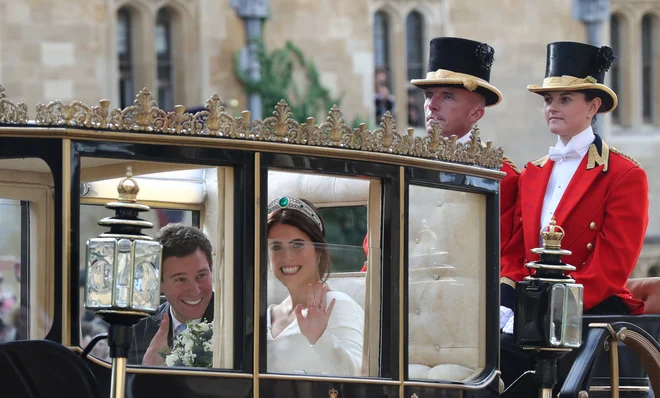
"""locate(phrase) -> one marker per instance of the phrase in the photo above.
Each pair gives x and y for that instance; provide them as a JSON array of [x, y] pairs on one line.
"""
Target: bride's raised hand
[[315, 322]]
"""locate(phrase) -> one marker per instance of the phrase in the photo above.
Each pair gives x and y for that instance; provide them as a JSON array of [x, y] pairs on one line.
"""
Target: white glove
[[508, 328], [505, 314]]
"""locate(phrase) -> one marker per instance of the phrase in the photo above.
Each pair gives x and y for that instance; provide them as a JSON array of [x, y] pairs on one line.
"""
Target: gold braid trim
[[511, 163], [541, 161], [625, 155], [507, 281]]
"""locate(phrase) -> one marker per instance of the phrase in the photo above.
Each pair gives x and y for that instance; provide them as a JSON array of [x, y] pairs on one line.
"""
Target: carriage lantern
[[122, 282], [549, 304]]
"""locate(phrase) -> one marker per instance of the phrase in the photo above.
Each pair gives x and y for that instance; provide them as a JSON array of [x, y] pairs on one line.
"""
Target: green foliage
[[277, 82]]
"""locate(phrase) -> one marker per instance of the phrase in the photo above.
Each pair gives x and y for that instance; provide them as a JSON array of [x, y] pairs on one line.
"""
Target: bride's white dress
[[338, 352]]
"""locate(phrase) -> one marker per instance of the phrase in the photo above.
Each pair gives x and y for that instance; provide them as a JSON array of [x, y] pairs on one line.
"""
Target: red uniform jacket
[[604, 213], [508, 194]]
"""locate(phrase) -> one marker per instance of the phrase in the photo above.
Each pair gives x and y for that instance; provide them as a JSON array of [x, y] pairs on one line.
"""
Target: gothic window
[[415, 66], [647, 69], [384, 100], [163, 47], [615, 75], [125, 55]]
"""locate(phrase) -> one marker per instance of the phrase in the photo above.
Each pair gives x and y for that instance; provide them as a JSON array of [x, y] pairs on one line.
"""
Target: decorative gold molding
[[281, 127], [11, 113]]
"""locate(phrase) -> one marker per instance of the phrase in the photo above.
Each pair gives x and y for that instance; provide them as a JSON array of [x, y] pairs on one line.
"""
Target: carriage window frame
[[47, 200], [388, 177], [241, 175], [468, 183]]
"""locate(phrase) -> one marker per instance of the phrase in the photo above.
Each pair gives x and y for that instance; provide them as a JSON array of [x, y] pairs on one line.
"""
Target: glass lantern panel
[[146, 278], [557, 300], [573, 316], [124, 274], [101, 254]]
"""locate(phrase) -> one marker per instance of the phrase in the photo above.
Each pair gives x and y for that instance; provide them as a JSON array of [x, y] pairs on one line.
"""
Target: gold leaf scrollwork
[[56, 113], [281, 127], [357, 138], [334, 131], [104, 118], [143, 115], [11, 113], [310, 133], [430, 145], [179, 121], [382, 138], [215, 121]]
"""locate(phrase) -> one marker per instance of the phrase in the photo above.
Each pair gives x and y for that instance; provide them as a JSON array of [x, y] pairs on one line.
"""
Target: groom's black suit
[[145, 330]]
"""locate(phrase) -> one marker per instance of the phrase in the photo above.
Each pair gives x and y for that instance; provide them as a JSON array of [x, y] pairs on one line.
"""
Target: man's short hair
[[180, 240]]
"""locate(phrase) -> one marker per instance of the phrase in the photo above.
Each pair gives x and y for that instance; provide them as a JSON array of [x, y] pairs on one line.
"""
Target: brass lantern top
[[552, 235], [128, 187], [126, 223]]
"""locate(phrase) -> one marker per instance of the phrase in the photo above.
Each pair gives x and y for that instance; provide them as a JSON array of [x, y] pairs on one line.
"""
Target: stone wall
[[53, 49]]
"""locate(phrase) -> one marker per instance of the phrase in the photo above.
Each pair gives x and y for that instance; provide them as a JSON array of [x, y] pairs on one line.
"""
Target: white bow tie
[[557, 154]]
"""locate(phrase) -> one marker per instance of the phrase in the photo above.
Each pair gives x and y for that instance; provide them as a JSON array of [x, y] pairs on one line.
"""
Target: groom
[[186, 283]]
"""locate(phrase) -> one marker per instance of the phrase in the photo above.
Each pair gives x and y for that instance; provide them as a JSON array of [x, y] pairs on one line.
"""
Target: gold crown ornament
[[128, 187]]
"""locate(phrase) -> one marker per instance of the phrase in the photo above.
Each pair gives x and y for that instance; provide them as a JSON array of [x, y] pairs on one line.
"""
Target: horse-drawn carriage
[[412, 229]]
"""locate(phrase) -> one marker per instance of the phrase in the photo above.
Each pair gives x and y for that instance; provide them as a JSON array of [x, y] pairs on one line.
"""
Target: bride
[[315, 330]]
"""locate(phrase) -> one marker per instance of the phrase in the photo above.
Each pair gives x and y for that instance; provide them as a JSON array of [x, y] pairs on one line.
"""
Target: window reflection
[[446, 269]]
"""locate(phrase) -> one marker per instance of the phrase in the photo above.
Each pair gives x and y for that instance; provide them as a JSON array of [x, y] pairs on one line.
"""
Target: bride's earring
[[318, 261]]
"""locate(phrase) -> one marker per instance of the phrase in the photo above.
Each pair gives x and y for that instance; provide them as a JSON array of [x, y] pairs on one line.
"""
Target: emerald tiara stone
[[294, 204]]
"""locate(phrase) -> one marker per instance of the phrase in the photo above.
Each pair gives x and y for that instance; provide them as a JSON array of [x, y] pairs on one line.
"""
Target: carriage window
[[346, 226], [186, 209], [446, 262], [318, 232], [26, 249]]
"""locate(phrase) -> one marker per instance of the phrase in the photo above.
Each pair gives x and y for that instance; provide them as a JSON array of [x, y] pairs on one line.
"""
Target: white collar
[[176, 322], [466, 138], [580, 142]]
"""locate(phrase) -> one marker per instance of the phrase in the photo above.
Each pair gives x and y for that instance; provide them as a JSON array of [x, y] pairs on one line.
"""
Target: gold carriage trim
[[11, 113], [214, 121]]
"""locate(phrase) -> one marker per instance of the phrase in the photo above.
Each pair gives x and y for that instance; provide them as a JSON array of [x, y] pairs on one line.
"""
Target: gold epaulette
[[625, 155], [541, 161], [511, 163]]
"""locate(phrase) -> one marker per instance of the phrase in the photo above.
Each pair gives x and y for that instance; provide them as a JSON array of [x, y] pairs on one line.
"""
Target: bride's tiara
[[290, 203]]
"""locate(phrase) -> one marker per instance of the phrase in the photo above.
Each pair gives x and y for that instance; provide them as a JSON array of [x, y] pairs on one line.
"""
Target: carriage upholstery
[[444, 321]]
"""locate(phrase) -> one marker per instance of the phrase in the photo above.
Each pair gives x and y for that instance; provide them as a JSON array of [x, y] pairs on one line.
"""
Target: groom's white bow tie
[[558, 154]]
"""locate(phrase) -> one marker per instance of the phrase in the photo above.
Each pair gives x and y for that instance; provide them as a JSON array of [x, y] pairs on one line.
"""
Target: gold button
[[590, 246], [592, 225]]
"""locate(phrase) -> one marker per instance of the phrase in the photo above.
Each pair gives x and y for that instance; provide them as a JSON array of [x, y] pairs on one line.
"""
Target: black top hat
[[572, 66], [461, 62]]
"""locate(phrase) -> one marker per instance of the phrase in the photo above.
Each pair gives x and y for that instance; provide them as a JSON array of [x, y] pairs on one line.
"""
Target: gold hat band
[[468, 81], [567, 81]]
